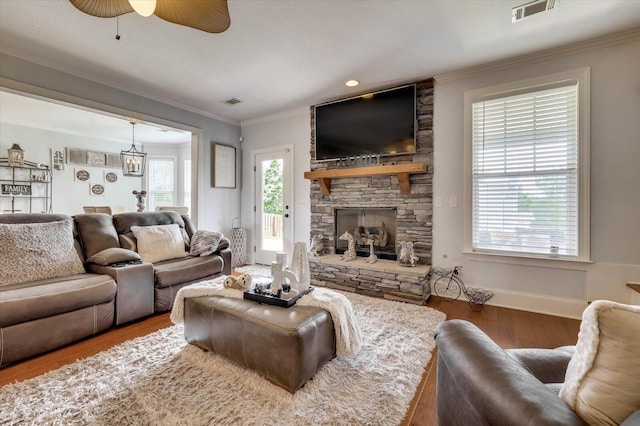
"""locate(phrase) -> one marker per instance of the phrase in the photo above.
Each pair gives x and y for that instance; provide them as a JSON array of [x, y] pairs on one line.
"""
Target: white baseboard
[[561, 307]]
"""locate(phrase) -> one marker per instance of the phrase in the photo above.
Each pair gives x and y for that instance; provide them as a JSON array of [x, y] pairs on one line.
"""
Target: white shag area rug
[[159, 379], [255, 270]]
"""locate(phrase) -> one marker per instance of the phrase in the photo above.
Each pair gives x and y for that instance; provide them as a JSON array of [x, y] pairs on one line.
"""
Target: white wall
[[68, 195], [216, 206], [293, 128], [615, 179]]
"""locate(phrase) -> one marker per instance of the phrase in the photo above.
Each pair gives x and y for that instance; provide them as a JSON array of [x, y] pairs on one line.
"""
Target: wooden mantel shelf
[[634, 286], [401, 170]]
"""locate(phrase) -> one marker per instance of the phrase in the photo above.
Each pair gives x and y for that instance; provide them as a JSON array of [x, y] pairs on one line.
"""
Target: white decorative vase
[[300, 266], [238, 244]]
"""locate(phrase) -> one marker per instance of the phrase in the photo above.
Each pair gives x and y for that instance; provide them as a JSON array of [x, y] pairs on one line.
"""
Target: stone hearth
[[385, 278]]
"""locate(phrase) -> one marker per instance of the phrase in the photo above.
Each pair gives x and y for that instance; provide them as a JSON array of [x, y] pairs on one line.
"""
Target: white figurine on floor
[[372, 257], [317, 246], [350, 254]]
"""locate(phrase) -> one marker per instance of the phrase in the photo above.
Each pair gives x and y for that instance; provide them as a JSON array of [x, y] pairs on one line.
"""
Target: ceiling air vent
[[232, 101], [532, 8]]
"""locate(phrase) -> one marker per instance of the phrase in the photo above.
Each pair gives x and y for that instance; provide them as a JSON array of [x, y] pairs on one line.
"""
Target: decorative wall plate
[[97, 189], [110, 177], [81, 175]]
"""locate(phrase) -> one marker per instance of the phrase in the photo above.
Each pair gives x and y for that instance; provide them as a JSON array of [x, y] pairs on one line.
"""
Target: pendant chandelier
[[133, 161]]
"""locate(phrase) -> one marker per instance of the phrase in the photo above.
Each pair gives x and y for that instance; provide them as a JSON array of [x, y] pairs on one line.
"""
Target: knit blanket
[[347, 331]]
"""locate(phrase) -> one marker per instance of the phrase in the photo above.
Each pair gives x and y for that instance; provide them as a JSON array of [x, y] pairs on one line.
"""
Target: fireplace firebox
[[367, 223]]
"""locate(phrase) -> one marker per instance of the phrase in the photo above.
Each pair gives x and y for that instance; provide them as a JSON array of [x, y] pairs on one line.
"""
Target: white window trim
[[583, 78], [175, 176]]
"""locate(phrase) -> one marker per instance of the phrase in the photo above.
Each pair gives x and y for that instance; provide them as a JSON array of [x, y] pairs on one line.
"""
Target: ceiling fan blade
[[103, 8], [211, 16]]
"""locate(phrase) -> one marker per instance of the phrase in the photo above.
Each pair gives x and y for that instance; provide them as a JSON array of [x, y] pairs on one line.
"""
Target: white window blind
[[525, 173], [161, 182]]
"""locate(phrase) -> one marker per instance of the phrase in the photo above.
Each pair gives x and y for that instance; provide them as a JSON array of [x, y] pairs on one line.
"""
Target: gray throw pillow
[[204, 243], [36, 251]]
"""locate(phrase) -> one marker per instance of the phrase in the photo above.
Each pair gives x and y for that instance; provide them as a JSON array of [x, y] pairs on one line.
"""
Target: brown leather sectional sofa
[[38, 316]]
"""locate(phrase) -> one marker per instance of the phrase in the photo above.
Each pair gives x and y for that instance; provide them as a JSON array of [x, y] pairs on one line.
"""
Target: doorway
[[273, 224], [50, 110]]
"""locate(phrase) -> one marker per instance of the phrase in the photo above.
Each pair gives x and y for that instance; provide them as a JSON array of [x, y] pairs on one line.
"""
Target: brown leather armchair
[[479, 383]]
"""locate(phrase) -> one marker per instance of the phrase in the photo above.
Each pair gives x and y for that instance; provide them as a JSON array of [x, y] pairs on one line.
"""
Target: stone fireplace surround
[[413, 223]]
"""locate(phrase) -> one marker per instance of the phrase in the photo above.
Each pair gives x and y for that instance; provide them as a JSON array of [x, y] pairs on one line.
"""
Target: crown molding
[[543, 55], [106, 82], [277, 116]]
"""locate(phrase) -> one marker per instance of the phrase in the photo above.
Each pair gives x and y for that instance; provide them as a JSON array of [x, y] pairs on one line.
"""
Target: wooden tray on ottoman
[[273, 300]]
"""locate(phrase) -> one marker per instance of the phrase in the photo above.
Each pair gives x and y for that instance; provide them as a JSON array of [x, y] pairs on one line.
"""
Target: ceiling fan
[[211, 16]]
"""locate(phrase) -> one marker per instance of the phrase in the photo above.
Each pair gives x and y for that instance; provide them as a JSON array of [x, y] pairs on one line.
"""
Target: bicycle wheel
[[447, 287]]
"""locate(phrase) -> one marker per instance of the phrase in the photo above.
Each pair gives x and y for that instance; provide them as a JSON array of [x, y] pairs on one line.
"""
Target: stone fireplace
[[364, 223], [373, 195]]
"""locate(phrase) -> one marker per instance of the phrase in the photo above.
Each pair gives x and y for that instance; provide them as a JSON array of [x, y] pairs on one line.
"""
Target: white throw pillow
[[602, 383], [36, 251], [159, 242]]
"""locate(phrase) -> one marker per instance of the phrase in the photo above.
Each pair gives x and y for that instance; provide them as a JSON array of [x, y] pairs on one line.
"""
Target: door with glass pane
[[273, 208]]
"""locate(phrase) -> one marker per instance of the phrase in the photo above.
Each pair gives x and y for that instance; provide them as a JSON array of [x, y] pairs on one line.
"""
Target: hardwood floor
[[83, 349], [509, 328]]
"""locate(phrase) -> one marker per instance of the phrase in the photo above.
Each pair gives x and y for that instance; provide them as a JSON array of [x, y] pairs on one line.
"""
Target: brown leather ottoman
[[285, 345]]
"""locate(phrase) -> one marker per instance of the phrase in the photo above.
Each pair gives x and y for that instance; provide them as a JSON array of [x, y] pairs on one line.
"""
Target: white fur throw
[[602, 383], [347, 330]]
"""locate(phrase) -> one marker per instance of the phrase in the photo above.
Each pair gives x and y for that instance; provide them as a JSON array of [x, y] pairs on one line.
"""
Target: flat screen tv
[[381, 123]]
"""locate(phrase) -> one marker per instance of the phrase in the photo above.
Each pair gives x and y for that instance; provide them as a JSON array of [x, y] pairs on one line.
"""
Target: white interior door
[[273, 206]]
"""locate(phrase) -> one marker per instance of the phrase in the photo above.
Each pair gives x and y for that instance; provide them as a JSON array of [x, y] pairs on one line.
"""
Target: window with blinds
[[187, 183], [525, 173], [161, 176]]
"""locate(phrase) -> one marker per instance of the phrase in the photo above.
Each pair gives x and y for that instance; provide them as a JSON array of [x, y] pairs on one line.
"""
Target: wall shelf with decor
[[402, 171], [26, 188]]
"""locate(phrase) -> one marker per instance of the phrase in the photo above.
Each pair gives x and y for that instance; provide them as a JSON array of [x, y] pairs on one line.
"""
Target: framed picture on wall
[[96, 159], [223, 166]]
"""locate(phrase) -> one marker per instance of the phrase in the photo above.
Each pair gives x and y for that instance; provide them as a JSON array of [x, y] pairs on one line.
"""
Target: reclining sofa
[[101, 281]]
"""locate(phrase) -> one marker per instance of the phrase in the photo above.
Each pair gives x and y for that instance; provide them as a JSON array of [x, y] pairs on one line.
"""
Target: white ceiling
[[285, 54]]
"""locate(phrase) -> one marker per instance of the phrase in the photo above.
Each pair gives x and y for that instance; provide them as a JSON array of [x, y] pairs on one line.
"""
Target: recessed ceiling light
[[352, 83]]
